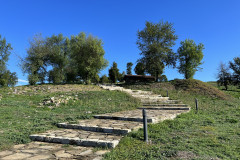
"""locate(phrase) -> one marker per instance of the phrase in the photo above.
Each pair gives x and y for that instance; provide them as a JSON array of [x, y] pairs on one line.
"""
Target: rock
[[17, 156], [52, 99], [88, 112], [62, 154]]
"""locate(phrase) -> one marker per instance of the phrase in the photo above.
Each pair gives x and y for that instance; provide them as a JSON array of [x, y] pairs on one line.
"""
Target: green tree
[[78, 59], [58, 56], [155, 42], [163, 78], [121, 76], [190, 57], [223, 76], [36, 62], [235, 65], [113, 73], [104, 79], [140, 68], [6, 77], [129, 67], [87, 56]]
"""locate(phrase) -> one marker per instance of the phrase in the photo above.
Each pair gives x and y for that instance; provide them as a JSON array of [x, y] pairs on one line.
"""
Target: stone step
[[167, 105], [78, 137], [122, 118], [145, 101], [104, 125], [153, 116], [150, 97], [50, 151], [164, 108]]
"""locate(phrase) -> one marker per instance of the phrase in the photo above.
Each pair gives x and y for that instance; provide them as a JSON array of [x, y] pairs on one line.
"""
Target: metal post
[[196, 101], [145, 125]]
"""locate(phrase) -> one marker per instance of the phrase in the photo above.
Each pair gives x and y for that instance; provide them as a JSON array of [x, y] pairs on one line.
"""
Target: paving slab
[[164, 108], [167, 105], [78, 137], [50, 151], [153, 116], [104, 125], [147, 101]]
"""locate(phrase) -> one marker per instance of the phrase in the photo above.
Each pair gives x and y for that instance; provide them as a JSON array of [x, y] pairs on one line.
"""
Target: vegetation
[[235, 65], [78, 59], [129, 67], [113, 73], [155, 42], [212, 133], [27, 110], [190, 56], [224, 76], [163, 78], [104, 79], [6, 77], [140, 69]]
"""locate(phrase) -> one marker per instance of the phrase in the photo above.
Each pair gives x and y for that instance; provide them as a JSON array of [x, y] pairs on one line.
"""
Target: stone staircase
[[106, 130]]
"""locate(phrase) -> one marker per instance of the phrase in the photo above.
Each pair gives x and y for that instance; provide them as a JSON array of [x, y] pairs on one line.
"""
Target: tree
[[163, 78], [87, 56], [6, 77], [129, 67], [121, 76], [58, 50], [190, 57], [140, 69], [155, 42], [113, 73], [104, 79], [59, 59], [36, 62], [235, 66], [223, 76]]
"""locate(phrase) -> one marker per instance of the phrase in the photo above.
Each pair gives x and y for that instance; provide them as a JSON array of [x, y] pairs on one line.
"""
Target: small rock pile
[[57, 101]]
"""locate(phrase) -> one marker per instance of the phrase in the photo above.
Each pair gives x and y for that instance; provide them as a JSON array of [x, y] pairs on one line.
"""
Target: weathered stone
[[97, 158], [31, 151], [17, 156], [101, 152], [5, 153], [62, 154], [19, 146], [40, 157], [85, 153]]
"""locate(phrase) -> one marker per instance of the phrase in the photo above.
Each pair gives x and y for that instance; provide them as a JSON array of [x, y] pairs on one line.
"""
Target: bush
[[104, 79], [163, 78], [33, 79]]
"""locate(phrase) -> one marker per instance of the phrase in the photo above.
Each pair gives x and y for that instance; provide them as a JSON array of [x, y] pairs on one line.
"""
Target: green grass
[[212, 133], [20, 114]]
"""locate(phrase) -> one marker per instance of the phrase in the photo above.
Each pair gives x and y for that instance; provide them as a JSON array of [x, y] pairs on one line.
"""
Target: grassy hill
[[212, 133], [26, 110]]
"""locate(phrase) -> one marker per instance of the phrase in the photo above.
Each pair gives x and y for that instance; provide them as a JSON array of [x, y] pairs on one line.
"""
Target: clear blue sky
[[215, 23]]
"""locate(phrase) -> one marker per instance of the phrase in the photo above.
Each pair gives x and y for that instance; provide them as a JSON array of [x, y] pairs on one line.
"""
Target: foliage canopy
[[59, 59], [155, 42], [6, 77], [190, 57]]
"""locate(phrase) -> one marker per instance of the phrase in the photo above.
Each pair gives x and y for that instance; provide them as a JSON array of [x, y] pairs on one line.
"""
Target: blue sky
[[215, 23]]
